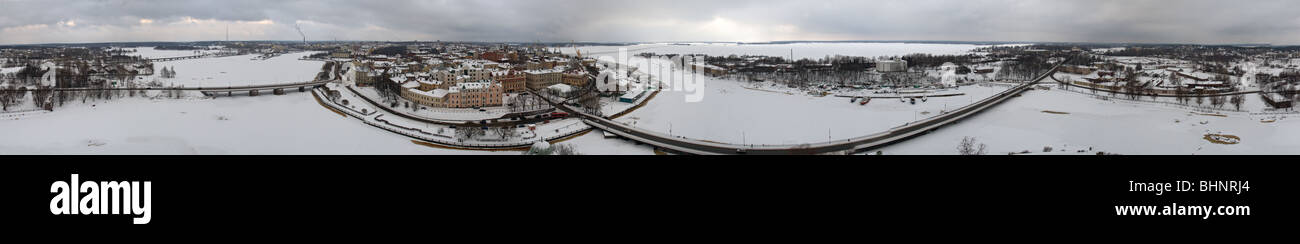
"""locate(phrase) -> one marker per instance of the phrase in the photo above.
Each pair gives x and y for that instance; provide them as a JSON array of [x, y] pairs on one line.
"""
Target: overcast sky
[[1166, 21]]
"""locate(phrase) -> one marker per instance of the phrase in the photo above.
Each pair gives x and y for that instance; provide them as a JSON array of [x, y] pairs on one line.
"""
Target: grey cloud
[[1183, 21]]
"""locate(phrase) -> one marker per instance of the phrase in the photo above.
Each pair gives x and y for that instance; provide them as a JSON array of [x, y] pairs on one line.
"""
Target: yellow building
[[541, 79]]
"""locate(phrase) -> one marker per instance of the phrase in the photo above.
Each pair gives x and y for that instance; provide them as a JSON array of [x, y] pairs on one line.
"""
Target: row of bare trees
[[388, 90], [9, 98], [168, 72], [1186, 97], [588, 97], [1024, 69], [48, 98], [469, 132], [525, 103]]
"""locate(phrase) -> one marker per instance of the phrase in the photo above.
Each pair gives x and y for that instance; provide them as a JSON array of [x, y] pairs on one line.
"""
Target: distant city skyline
[[1110, 21]]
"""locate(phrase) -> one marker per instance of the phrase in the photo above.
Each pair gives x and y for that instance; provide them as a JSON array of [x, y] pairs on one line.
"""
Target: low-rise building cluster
[[461, 75]]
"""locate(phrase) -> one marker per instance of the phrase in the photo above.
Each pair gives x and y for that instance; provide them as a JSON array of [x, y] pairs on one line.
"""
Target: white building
[[891, 66]]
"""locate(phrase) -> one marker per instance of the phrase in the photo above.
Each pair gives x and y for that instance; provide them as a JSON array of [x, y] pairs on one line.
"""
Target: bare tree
[[563, 149], [1218, 101], [1181, 95], [968, 147], [505, 132], [43, 98], [1237, 100], [388, 90], [7, 98], [469, 132]]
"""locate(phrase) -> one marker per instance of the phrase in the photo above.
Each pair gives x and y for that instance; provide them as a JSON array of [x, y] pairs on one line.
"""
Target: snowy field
[[1022, 124], [736, 112], [240, 71], [801, 50], [290, 124], [731, 113]]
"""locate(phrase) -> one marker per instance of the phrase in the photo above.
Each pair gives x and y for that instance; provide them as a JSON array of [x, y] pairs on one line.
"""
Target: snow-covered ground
[[732, 113], [1022, 124], [595, 143], [239, 71], [746, 113], [442, 114], [288, 124]]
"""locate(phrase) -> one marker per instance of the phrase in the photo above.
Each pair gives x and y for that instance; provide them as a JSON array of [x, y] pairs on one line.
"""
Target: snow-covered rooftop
[[563, 88]]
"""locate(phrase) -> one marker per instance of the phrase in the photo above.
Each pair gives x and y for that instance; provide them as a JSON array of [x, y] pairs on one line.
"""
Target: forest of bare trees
[[1023, 69], [388, 90], [16, 89]]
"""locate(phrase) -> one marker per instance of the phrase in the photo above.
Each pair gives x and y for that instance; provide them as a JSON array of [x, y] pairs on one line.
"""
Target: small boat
[[865, 101]]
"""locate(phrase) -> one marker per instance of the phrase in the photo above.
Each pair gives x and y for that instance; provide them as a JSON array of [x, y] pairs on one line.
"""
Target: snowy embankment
[[1072, 122], [596, 144], [447, 115], [446, 135]]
